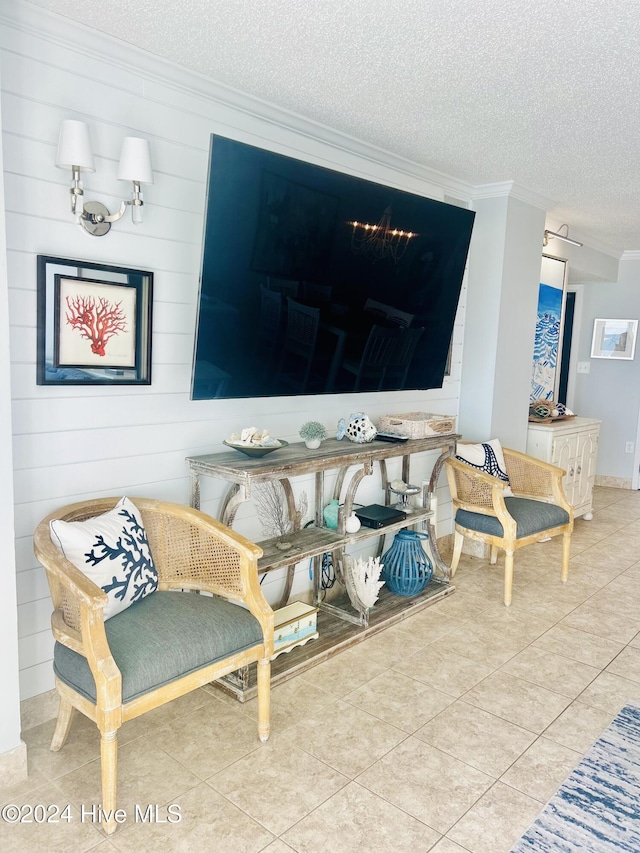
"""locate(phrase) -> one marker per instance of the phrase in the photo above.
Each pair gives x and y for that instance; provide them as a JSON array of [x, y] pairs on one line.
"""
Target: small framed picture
[[614, 339], [94, 323]]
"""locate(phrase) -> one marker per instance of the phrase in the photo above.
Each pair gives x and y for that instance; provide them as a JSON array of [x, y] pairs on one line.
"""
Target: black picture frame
[[94, 323]]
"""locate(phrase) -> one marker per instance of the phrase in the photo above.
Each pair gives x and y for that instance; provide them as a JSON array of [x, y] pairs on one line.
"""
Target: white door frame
[[575, 337]]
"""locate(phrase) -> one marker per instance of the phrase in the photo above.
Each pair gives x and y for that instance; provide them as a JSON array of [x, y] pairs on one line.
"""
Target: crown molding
[[631, 255], [511, 189], [66, 33], [70, 34]]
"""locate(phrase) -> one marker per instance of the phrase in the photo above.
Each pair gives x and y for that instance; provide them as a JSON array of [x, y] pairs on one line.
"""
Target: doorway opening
[[567, 334]]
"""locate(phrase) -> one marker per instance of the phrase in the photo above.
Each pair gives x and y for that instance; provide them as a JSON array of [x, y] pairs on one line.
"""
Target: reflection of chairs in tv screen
[[269, 327], [369, 370], [316, 294], [385, 360], [210, 381], [397, 370], [391, 314], [299, 345], [286, 286], [266, 349]]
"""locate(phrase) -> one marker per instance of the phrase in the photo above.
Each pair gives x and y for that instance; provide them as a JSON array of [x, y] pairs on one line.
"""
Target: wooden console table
[[242, 472]]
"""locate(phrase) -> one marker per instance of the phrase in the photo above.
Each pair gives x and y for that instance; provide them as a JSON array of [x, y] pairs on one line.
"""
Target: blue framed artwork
[[546, 353], [614, 339]]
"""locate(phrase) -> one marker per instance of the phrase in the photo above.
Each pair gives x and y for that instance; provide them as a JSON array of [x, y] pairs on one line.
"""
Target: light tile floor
[[446, 733]]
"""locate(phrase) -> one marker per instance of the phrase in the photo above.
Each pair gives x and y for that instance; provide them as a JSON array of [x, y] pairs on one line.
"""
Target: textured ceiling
[[546, 94]]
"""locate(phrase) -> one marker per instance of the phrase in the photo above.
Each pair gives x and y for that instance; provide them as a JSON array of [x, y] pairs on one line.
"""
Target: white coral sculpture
[[362, 579]]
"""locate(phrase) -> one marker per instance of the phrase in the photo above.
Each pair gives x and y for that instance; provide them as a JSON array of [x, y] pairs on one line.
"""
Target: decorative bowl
[[257, 451]]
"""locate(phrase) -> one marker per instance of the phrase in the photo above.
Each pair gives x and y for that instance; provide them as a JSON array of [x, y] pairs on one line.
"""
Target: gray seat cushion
[[530, 516], [161, 638]]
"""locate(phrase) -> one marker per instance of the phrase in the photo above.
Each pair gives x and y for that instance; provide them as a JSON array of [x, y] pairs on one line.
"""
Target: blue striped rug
[[597, 808]]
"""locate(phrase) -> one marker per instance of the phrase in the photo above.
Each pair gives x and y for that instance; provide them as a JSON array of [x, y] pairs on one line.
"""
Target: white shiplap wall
[[79, 442]]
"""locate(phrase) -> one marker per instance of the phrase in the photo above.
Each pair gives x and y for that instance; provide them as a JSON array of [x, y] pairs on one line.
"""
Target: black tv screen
[[318, 282]]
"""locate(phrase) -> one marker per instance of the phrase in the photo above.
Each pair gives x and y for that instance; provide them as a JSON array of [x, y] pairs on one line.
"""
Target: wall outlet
[[628, 448], [584, 366]]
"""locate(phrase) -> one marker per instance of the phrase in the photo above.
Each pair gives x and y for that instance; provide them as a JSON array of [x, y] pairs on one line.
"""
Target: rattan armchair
[[96, 670], [538, 509]]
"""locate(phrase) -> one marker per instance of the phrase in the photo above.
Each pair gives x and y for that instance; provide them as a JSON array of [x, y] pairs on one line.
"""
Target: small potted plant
[[313, 433]]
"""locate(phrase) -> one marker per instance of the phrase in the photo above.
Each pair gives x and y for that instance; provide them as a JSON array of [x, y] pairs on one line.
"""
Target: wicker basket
[[418, 424]]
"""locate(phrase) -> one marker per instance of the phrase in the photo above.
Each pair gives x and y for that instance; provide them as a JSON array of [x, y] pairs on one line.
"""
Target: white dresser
[[572, 445]]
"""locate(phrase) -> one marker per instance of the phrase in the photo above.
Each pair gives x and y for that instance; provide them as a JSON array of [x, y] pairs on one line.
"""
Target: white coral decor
[[363, 581]]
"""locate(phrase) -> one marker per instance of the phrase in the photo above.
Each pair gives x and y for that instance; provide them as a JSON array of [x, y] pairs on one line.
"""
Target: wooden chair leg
[[508, 576], [109, 769], [493, 555], [63, 725], [566, 553], [458, 541], [264, 699]]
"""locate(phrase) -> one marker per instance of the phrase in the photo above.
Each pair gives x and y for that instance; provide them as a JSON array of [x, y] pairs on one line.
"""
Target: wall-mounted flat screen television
[[318, 282]]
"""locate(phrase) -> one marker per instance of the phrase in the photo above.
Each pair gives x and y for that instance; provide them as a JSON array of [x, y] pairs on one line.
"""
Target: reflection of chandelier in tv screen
[[381, 240]]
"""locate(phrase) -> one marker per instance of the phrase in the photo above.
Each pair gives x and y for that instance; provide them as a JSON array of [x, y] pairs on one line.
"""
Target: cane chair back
[[165, 645], [537, 510]]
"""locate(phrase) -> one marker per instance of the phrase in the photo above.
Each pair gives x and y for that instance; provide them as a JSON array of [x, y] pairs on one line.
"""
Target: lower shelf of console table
[[335, 635]]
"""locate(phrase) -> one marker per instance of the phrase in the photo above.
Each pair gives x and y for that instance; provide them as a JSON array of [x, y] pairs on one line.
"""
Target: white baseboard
[[613, 482]]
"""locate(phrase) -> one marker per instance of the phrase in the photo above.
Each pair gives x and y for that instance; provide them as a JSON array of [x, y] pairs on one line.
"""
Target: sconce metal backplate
[[95, 209]]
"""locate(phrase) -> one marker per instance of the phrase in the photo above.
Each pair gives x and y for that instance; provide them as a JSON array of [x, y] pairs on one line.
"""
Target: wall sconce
[[74, 152], [550, 235]]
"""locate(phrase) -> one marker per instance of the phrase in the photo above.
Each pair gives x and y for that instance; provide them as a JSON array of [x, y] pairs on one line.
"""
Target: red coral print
[[98, 322]]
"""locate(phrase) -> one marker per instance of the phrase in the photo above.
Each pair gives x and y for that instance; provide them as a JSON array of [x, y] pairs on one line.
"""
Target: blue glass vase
[[406, 568]]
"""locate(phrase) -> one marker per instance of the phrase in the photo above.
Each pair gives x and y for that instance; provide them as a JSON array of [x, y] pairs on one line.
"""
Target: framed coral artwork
[[94, 323]]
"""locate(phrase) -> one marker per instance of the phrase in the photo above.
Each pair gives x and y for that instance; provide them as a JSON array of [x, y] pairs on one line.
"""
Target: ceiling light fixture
[[74, 152], [550, 235], [380, 240]]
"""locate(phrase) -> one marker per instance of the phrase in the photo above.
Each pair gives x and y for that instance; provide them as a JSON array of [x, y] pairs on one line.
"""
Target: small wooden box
[[418, 424], [294, 625]]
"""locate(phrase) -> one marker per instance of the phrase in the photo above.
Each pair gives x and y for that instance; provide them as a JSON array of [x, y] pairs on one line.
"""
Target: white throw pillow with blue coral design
[[113, 551], [487, 457]]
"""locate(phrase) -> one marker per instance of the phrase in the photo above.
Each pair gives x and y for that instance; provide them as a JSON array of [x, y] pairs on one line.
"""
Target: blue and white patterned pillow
[[487, 457], [113, 551]]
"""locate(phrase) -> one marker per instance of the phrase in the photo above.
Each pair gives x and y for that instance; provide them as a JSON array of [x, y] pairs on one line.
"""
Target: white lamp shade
[[135, 161], [74, 146]]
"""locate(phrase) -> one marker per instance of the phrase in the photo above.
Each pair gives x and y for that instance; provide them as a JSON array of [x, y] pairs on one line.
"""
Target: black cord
[[328, 572]]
